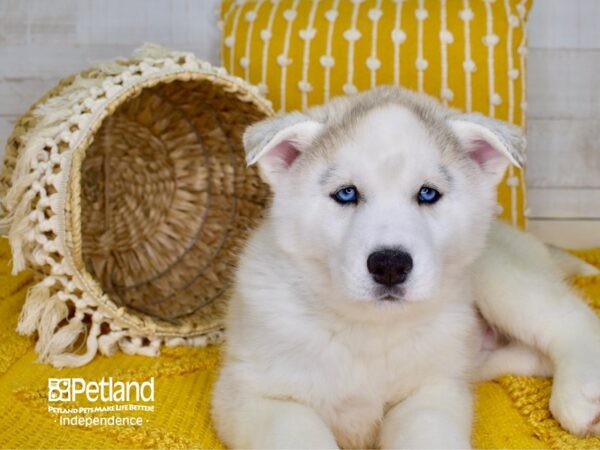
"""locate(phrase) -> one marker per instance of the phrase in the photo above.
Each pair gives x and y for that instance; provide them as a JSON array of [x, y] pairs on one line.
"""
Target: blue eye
[[428, 195], [346, 195]]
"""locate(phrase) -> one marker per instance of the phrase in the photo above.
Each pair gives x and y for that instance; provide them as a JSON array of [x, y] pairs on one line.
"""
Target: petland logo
[[105, 390]]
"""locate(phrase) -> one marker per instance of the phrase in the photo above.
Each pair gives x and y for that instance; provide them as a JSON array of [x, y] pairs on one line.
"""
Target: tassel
[[54, 312], [75, 360], [65, 337], [5, 225], [19, 227], [37, 298], [17, 195]]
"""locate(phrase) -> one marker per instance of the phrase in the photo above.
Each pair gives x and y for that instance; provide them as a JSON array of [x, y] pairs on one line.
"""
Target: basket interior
[[167, 199]]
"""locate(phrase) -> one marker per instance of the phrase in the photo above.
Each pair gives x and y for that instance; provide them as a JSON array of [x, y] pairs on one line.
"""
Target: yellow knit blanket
[[510, 413]]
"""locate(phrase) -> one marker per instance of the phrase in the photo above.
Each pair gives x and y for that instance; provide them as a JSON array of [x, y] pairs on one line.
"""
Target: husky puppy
[[359, 307]]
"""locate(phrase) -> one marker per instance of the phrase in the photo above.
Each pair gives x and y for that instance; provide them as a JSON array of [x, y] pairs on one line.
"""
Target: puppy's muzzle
[[389, 266]]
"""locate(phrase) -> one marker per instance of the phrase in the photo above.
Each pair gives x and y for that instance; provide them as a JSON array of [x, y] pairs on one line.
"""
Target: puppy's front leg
[[437, 415], [281, 424]]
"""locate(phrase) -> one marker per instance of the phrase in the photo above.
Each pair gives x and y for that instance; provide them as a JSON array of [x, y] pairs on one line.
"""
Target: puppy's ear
[[490, 143], [275, 143]]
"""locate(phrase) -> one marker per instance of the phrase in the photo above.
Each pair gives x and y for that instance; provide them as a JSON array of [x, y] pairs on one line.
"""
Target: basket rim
[[71, 185]]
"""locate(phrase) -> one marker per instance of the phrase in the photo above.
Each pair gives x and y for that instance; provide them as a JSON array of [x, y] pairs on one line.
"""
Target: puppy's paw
[[575, 400]]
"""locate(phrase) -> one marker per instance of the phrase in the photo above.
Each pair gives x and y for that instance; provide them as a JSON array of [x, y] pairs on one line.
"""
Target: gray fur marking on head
[[343, 113]]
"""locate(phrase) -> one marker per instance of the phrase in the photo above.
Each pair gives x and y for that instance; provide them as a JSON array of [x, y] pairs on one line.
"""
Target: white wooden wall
[[44, 40], [564, 121]]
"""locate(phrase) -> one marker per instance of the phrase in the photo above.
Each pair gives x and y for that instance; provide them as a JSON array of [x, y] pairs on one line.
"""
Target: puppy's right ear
[[275, 143]]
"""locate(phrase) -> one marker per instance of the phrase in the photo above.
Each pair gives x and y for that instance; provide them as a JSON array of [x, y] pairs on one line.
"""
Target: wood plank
[[567, 233], [563, 153], [564, 24], [182, 24], [101, 22], [563, 203], [52, 62], [37, 21], [563, 83]]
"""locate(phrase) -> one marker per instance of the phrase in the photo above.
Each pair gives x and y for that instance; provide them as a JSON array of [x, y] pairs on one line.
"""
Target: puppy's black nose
[[389, 266]]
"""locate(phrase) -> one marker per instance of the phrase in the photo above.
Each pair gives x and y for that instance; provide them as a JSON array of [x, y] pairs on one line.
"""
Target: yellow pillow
[[469, 53]]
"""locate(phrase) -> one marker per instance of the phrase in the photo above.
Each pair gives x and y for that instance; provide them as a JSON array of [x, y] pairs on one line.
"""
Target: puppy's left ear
[[492, 144]]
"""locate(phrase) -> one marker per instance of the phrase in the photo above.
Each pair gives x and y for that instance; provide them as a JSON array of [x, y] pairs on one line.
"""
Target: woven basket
[[126, 191]]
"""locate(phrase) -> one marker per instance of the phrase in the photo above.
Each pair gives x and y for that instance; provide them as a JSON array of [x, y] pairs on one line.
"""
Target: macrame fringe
[[45, 313], [132, 347], [5, 224], [31, 314], [74, 359], [54, 312], [65, 337], [19, 226], [108, 344], [154, 51]]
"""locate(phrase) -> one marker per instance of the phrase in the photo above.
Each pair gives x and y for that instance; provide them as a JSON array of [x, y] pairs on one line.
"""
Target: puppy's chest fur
[[361, 373], [351, 373]]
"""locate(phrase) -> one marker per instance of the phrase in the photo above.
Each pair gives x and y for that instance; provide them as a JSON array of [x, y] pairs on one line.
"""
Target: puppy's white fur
[[317, 355]]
